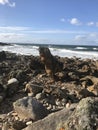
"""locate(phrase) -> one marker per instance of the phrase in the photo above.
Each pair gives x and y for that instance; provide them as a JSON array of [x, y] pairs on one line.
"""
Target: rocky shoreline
[[30, 101]]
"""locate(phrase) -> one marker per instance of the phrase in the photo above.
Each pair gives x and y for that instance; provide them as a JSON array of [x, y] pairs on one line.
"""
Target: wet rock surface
[[25, 76]]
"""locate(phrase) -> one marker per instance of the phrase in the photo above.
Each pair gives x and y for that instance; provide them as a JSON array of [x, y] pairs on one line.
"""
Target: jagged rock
[[52, 122], [33, 88], [84, 117], [30, 108]]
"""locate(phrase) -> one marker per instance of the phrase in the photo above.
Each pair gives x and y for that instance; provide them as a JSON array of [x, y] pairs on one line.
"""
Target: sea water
[[60, 50]]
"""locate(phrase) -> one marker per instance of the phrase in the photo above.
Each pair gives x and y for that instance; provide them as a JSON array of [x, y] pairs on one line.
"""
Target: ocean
[[82, 52]]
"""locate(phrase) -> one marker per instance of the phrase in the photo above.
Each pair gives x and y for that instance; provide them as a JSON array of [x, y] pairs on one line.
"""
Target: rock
[[40, 96], [52, 122], [29, 123], [30, 108], [12, 81], [12, 86], [2, 93], [85, 115], [2, 55], [93, 89], [33, 88], [35, 64], [83, 93], [21, 76], [18, 125]]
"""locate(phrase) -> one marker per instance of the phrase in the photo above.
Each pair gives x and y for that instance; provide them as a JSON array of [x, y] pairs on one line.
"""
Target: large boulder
[[30, 108], [52, 122], [84, 117]]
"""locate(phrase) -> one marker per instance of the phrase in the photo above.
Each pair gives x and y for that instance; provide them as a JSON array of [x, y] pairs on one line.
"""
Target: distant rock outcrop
[[4, 44]]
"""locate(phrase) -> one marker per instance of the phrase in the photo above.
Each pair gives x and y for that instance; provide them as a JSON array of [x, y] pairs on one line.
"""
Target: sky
[[49, 21]]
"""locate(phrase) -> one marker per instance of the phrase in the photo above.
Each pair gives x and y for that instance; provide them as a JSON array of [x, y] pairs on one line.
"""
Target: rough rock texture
[[29, 108], [84, 117], [52, 122], [34, 88], [77, 79]]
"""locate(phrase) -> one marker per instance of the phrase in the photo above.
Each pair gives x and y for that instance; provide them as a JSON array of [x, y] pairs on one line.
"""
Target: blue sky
[[49, 21]]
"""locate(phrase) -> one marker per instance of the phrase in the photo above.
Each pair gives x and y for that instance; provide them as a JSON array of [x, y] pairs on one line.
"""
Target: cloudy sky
[[49, 21]]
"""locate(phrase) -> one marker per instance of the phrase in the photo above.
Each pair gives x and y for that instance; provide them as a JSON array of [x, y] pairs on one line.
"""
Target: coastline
[[77, 80], [5, 44]]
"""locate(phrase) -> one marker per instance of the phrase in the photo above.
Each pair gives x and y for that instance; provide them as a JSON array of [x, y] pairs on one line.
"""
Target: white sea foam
[[80, 48], [62, 52]]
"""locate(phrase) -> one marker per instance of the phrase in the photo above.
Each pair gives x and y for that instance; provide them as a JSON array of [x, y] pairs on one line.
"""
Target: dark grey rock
[[33, 88], [52, 122], [30, 108]]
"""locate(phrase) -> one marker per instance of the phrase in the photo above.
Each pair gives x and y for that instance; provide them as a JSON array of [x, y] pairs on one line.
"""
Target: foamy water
[[62, 52]]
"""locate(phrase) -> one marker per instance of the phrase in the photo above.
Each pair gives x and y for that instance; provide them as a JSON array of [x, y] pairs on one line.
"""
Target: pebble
[[2, 116], [29, 123], [49, 107], [30, 94], [68, 105], [39, 96], [13, 80]]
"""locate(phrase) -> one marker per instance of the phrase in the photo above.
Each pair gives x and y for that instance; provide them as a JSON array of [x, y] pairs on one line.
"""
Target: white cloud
[[80, 37], [10, 29], [90, 39], [13, 28], [56, 32], [75, 21], [7, 2], [24, 34], [11, 37], [90, 23]]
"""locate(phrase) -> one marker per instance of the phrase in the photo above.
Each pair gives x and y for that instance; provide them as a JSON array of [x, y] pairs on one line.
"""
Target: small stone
[[12, 81], [58, 103], [29, 123], [39, 96], [67, 105], [49, 107], [14, 114], [16, 118], [30, 94]]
